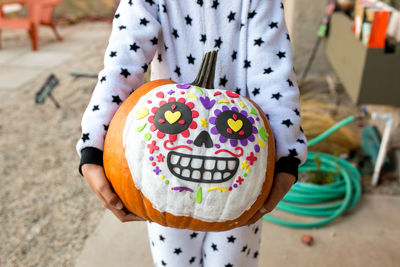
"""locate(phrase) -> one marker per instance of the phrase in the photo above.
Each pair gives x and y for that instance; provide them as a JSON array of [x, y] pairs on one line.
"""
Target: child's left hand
[[282, 183]]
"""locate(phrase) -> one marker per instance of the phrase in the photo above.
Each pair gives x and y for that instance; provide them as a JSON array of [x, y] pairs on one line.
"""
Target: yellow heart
[[235, 125], [172, 117], [141, 113]]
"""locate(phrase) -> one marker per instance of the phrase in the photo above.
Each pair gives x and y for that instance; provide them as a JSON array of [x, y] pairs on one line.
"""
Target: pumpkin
[[189, 156]]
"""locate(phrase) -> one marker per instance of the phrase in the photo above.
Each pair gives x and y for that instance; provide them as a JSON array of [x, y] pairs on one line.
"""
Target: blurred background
[[347, 58]]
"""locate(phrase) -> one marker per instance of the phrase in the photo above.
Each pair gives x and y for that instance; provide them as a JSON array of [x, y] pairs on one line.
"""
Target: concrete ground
[[368, 236]]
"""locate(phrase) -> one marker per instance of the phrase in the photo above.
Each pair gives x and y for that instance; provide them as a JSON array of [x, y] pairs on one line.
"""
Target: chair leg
[[0, 40], [53, 27], [34, 34]]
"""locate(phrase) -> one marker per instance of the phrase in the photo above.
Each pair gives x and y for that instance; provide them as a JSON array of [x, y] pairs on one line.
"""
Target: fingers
[[125, 216]]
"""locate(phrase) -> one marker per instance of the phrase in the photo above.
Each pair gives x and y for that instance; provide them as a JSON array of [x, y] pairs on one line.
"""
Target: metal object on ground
[[46, 90]]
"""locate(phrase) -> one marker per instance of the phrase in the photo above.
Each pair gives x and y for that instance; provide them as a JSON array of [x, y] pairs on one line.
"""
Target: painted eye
[[234, 125], [173, 118]]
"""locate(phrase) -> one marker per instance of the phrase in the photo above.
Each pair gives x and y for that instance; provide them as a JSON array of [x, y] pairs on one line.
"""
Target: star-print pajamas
[[254, 59]]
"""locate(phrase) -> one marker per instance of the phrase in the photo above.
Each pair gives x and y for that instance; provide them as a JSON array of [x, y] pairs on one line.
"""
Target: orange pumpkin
[[188, 156]]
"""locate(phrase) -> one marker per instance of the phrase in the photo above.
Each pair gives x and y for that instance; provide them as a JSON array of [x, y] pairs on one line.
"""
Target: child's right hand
[[96, 178]]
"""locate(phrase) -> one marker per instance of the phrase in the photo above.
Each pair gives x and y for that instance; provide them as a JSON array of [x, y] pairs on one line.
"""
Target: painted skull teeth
[[202, 169]]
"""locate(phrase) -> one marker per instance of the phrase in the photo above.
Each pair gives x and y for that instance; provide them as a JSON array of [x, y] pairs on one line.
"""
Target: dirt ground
[[47, 211]]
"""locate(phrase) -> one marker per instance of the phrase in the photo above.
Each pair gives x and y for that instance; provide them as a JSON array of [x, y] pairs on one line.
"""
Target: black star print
[[290, 83], [282, 5], [163, 263], [267, 116], [231, 239], [301, 129], [134, 47], [214, 247], [175, 33], [223, 81], [105, 127], [287, 122], [248, 252], [116, 99], [301, 141], [154, 41], [144, 21], [122, 27], [203, 38], [251, 14], [256, 91], [256, 230], [268, 71], [95, 107], [277, 96], [234, 55], [246, 64], [164, 8], [85, 137], [178, 71], [255, 255], [178, 251], [297, 112], [103, 79], [218, 42], [166, 47], [237, 91], [258, 41], [273, 25], [145, 67], [113, 54], [228, 265], [200, 2], [130, 2], [159, 57], [191, 59], [152, 243], [292, 152], [231, 16], [117, 16], [288, 36], [281, 54], [188, 20], [215, 4], [241, 25], [193, 235], [162, 238], [125, 73], [150, 2], [192, 259], [244, 248]]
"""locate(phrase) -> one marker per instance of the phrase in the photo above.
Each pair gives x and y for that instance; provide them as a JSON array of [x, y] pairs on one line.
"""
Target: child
[[254, 60]]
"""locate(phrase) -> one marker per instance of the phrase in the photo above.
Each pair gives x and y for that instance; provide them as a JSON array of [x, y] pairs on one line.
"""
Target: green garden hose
[[326, 201]]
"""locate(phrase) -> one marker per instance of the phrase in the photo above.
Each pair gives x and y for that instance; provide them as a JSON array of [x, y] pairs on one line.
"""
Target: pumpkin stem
[[206, 74]]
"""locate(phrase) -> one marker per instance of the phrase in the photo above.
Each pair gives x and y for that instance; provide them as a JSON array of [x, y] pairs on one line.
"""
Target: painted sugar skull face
[[197, 152]]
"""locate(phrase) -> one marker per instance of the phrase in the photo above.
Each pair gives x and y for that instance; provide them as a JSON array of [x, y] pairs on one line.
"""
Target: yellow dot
[[162, 176], [242, 104], [223, 101]]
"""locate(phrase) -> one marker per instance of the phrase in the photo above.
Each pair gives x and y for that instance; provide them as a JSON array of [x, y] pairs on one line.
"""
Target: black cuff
[[91, 155], [288, 165]]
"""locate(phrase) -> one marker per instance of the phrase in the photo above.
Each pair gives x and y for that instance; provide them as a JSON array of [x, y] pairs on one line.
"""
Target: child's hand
[[281, 185], [96, 178]]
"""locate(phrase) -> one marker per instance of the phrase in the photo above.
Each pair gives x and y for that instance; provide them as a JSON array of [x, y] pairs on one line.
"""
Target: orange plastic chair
[[39, 13]]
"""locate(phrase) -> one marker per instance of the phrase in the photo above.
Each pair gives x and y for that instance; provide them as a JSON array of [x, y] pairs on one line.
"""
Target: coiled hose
[[326, 201]]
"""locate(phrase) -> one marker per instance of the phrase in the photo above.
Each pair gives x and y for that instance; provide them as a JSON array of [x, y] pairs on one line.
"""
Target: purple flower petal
[[235, 109], [257, 119], [255, 130], [214, 130], [251, 120], [217, 112], [244, 142], [223, 139], [217, 145], [225, 108], [183, 86], [234, 142], [251, 138], [212, 120], [257, 148], [244, 112]]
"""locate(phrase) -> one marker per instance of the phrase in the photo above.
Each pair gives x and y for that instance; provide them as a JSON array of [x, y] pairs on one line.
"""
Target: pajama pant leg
[[235, 248], [185, 248]]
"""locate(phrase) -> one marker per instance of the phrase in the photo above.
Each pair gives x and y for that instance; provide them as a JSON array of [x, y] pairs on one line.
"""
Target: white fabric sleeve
[[271, 79], [132, 45]]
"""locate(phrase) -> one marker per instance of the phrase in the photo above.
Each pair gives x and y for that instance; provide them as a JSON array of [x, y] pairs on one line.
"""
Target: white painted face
[[197, 152]]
